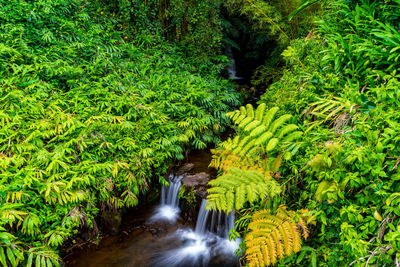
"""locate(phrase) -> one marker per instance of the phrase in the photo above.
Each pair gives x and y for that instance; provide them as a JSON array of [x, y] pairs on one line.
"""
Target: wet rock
[[111, 221], [201, 192], [185, 168], [198, 183], [198, 179]]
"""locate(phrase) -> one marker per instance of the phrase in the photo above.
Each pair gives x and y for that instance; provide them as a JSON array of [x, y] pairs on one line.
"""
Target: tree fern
[[236, 187], [273, 236]]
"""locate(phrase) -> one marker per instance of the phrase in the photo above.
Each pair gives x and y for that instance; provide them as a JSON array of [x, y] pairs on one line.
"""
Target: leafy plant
[[273, 236], [235, 187], [92, 110], [258, 129]]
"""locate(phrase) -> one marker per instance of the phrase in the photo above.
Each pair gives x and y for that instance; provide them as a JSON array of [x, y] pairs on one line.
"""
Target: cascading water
[[159, 239], [202, 218], [207, 245], [169, 208], [232, 67], [218, 229]]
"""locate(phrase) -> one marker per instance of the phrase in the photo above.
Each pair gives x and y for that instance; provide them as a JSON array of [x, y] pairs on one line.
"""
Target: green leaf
[[3, 257], [11, 257], [30, 259]]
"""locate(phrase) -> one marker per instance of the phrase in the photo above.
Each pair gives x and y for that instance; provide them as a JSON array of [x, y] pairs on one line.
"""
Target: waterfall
[[220, 223], [208, 244], [202, 218], [169, 195], [169, 207], [232, 66]]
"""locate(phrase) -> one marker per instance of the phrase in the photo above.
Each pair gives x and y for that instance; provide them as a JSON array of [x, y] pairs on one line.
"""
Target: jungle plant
[[247, 177], [259, 131], [235, 187], [348, 164], [91, 113], [272, 236]]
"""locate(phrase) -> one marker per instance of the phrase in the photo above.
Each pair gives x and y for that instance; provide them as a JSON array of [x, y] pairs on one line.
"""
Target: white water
[[169, 208], [207, 244], [232, 67], [217, 228], [202, 218]]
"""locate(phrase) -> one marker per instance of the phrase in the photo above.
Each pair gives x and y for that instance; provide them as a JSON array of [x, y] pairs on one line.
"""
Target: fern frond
[[259, 114], [287, 129], [258, 129], [252, 125], [250, 110], [269, 116], [234, 188], [263, 138], [293, 136], [273, 236], [279, 122], [272, 144]]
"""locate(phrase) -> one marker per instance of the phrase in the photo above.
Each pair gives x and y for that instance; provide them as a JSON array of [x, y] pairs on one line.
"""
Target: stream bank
[[143, 241], [135, 239]]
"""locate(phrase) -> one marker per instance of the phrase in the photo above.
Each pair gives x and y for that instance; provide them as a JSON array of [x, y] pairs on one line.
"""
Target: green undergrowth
[[341, 86], [90, 117]]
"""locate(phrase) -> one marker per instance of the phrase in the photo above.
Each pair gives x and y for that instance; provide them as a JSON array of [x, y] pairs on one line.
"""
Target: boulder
[[196, 180], [185, 168], [201, 192]]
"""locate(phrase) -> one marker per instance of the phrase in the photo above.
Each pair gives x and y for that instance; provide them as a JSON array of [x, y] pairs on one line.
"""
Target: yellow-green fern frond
[[259, 129], [273, 236], [224, 159], [236, 187]]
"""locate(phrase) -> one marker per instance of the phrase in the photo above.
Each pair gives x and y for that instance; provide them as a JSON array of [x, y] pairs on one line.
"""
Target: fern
[[273, 236], [224, 159], [84, 130], [259, 131], [236, 187]]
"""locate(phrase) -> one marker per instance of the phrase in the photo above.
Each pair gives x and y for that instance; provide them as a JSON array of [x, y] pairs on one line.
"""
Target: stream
[[159, 235]]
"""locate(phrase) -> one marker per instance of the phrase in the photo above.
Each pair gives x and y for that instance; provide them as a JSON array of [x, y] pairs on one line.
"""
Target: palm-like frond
[[233, 189], [273, 236]]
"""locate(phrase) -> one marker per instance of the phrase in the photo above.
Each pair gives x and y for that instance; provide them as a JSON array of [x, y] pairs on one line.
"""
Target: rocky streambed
[[141, 239]]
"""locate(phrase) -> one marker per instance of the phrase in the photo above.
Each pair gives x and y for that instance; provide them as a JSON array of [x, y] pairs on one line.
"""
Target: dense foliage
[[341, 85], [98, 97], [91, 115]]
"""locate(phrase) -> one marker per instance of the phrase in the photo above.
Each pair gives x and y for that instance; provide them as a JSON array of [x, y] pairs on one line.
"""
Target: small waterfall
[[207, 245], [169, 208], [220, 222], [169, 195], [202, 218], [232, 66]]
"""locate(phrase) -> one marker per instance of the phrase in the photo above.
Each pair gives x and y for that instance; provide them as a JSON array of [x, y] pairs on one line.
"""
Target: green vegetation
[[341, 85], [97, 98], [91, 115]]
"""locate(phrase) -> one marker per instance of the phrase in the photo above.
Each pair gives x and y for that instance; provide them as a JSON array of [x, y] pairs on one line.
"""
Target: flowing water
[[158, 236], [232, 67], [207, 245], [169, 208]]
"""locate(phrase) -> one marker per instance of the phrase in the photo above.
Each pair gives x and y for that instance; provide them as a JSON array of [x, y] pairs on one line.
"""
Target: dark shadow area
[[250, 48]]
